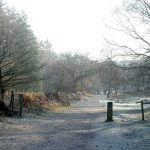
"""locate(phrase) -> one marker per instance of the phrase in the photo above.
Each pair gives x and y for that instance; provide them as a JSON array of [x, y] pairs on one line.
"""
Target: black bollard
[[109, 111]]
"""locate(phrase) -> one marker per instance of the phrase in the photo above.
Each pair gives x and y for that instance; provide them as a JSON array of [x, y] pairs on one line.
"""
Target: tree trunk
[[104, 91], [81, 83], [2, 93], [116, 91], [60, 85], [138, 86], [108, 94], [2, 89]]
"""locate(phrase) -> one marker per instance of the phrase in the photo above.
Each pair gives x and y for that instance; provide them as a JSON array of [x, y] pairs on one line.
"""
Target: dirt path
[[69, 130], [81, 127]]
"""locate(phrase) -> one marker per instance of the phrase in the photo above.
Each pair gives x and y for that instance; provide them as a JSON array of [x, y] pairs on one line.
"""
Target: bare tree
[[70, 72], [132, 22]]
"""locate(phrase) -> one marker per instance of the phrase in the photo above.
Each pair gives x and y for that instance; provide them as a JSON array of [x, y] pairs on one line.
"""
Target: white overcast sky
[[70, 25]]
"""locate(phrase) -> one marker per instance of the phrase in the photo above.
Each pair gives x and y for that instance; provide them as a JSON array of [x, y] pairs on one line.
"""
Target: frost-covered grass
[[128, 131], [81, 126]]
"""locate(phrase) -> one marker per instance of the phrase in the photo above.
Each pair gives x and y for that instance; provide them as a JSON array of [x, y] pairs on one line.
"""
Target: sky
[[70, 25]]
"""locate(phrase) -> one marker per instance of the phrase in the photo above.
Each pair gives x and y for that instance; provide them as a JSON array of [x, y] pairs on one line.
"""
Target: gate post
[[109, 112], [21, 104], [142, 110], [12, 101]]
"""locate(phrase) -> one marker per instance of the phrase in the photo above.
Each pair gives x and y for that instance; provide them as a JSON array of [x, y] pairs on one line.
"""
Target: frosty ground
[[80, 127]]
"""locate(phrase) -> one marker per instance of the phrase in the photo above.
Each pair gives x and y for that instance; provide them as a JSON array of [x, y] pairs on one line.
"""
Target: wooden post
[[142, 110], [109, 111], [21, 104], [12, 101]]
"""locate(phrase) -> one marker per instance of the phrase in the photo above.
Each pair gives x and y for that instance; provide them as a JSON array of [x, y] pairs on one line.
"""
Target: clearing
[[80, 127]]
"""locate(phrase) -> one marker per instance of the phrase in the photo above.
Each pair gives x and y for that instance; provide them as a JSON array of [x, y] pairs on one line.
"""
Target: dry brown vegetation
[[54, 102]]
